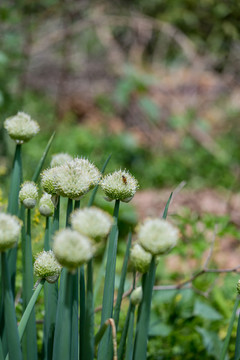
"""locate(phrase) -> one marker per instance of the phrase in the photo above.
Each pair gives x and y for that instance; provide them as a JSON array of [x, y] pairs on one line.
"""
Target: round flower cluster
[[73, 179], [28, 194], [60, 159], [10, 227], [157, 236], [72, 249], [47, 267], [46, 207], [136, 296], [120, 185], [139, 258], [21, 127], [92, 222]]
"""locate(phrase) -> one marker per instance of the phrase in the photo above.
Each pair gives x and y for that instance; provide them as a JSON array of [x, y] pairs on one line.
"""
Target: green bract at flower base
[[60, 159], [46, 207], [120, 185], [139, 258], [157, 236], [28, 194], [21, 127], [72, 249], [10, 230], [136, 296], [47, 267], [92, 222]]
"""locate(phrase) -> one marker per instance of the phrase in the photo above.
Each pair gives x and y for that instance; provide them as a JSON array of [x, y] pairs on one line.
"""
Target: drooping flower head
[[47, 267], [28, 194], [46, 207], [76, 177], [139, 258], [120, 185], [21, 127], [72, 249], [92, 222], [60, 159], [10, 227], [157, 236], [49, 180], [136, 296]]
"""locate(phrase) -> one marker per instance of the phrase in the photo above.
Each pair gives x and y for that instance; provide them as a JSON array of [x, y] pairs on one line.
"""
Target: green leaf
[[205, 311]]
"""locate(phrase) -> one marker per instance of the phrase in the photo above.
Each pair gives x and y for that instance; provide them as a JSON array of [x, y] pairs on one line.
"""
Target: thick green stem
[[89, 318], [56, 215], [140, 351], [47, 235], [108, 293], [13, 340], [82, 313], [124, 334], [237, 345], [30, 337], [229, 332], [130, 337]]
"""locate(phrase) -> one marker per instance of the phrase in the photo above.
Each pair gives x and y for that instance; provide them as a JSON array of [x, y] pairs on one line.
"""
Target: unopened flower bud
[[92, 222], [28, 194], [120, 185], [21, 127], [60, 159], [136, 296], [157, 236], [76, 178], [46, 207], [72, 249], [49, 180], [10, 227], [47, 267], [139, 258]]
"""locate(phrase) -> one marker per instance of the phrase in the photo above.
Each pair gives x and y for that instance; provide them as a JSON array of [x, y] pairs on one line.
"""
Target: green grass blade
[[1, 350], [101, 272], [122, 282], [229, 332], [237, 345], [130, 337], [140, 352], [82, 313], [124, 334], [88, 352], [108, 293], [41, 161], [9, 313], [167, 206], [27, 313], [91, 200], [30, 337], [16, 180]]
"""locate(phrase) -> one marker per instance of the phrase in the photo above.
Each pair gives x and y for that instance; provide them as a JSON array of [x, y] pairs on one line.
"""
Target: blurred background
[[155, 83]]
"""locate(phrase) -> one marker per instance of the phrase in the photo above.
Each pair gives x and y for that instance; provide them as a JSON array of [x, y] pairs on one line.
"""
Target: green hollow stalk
[[82, 312], [30, 337], [13, 340], [237, 345], [229, 332], [13, 207], [122, 282], [124, 333], [130, 336], [50, 303], [108, 293]]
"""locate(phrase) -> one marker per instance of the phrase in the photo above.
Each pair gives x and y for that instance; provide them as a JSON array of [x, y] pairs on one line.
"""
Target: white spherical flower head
[[120, 185], [60, 159], [92, 222], [72, 249], [136, 296], [139, 258], [10, 227], [49, 180], [28, 194], [21, 127], [157, 236], [46, 207], [76, 178], [47, 267]]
